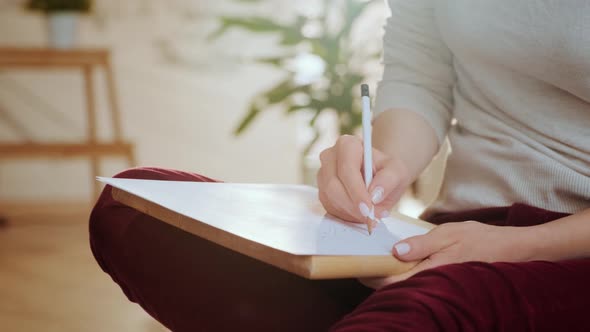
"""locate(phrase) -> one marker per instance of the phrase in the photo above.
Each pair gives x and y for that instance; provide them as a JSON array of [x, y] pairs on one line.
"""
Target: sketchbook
[[282, 225]]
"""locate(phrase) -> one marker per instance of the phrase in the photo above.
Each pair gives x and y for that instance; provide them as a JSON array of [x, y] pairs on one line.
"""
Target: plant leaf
[[275, 95], [291, 35], [253, 24], [247, 119], [295, 108], [277, 61], [283, 90]]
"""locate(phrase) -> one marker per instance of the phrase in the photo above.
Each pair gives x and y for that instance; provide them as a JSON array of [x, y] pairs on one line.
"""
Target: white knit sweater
[[516, 77]]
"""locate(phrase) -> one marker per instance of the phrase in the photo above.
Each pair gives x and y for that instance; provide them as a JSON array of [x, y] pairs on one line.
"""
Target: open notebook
[[283, 225]]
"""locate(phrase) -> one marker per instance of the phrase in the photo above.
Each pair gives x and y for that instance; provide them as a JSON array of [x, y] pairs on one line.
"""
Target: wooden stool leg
[[95, 171], [91, 127], [114, 107]]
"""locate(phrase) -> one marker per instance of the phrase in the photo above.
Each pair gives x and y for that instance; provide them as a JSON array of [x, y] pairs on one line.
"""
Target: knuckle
[[324, 155], [346, 140], [450, 230], [320, 176], [342, 139], [444, 227], [439, 230]]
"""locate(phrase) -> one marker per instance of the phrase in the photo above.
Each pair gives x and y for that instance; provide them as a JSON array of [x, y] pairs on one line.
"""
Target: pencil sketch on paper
[[335, 235]]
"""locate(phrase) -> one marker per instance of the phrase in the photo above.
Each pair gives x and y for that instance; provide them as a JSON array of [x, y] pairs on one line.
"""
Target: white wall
[[178, 116]]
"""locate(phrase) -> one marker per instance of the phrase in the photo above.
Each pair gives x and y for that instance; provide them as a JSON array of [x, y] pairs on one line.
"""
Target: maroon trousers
[[190, 284]]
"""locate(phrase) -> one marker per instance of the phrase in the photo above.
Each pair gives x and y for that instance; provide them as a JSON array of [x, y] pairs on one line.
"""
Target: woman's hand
[[342, 189], [457, 243]]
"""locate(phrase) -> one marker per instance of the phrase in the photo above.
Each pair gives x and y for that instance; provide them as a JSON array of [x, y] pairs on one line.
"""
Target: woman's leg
[[190, 284], [531, 296]]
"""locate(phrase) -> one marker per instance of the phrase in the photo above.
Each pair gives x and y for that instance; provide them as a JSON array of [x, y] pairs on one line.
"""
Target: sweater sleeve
[[418, 74]]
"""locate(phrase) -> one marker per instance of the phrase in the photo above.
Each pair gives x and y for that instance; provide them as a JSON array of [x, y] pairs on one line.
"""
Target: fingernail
[[402, 248], [377, 195], [385, 214], [364, 209]]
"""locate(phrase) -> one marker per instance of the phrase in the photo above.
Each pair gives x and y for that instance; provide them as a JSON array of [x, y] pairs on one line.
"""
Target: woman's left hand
[[458, 242]]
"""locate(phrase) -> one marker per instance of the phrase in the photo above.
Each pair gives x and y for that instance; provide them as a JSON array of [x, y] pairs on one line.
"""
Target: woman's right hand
[[342, 189]]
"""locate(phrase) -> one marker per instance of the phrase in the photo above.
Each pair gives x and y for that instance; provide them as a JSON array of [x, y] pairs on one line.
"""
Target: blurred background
[[243, 91]]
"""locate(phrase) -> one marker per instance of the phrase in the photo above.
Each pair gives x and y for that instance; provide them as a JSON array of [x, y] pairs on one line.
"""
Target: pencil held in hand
[[356, 188], [367, 150], [341, 185], [369, 214]]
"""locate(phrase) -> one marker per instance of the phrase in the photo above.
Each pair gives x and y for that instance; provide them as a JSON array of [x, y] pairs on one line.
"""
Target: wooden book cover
[[282, 225]]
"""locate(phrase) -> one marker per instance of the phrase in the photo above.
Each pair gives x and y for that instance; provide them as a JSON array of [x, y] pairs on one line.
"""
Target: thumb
[[419, 247]]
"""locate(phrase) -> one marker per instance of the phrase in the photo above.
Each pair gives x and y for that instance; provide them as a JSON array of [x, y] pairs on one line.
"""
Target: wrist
[[534, 243], [520, 243], [406, 136]]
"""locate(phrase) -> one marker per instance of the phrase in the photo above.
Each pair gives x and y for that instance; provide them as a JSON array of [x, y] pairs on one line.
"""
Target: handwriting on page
[[334, 235], [337, 228]]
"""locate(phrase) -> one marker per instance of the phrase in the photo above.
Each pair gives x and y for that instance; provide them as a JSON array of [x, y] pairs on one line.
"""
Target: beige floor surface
[[49, 280]]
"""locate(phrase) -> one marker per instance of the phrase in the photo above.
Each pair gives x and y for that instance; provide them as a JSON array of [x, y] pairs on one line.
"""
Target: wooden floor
[[49, 280]]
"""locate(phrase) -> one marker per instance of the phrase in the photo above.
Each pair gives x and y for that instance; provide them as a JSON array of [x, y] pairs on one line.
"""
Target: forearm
[[407, 137], [564, 238]]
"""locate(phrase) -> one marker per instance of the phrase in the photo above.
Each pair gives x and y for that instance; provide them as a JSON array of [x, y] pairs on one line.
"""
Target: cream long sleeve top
[[516, 77]]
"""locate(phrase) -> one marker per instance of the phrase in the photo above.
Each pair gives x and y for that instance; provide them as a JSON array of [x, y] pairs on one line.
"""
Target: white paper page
[[285, 217]]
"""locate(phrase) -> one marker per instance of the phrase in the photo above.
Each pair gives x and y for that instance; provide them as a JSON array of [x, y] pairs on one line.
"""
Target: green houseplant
[[62, 19], [326, 38]]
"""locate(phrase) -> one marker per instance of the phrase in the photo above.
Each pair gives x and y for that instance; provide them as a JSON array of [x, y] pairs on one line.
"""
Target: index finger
[[349, 166]]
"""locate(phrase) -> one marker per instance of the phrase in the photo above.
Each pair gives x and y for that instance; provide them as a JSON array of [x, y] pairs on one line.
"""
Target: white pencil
[[367, 145]]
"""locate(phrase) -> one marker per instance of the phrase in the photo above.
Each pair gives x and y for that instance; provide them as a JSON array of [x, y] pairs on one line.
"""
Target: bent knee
[[108, 215], [105, 207], [107, 224], [145, 173], [164, 174]]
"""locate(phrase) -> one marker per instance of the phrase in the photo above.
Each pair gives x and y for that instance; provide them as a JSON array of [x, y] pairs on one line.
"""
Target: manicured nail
[[385, 214], [402, 248], [377, 195], [364, 209]]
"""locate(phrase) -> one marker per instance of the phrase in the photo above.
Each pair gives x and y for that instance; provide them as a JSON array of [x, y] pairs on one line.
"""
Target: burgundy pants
[[190, 284]]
